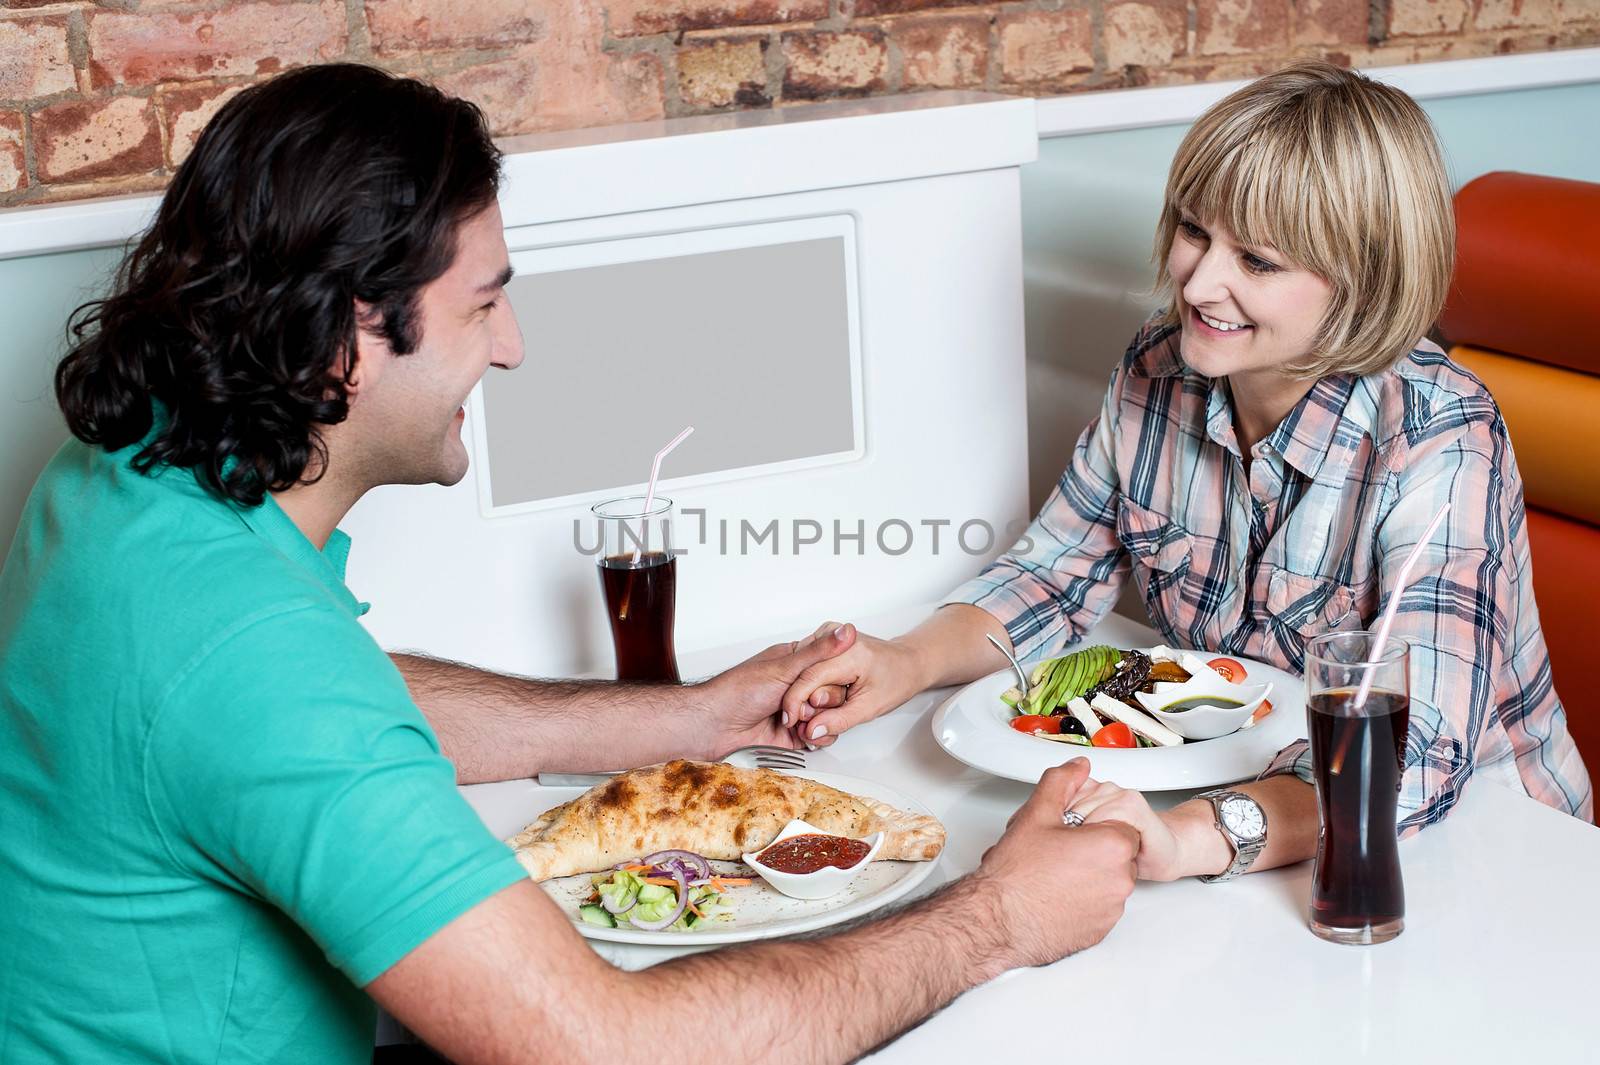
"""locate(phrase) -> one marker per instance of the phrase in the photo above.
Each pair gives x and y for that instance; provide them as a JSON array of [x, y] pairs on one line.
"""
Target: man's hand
[[1057, 889], [743, 702], [1159, 851]]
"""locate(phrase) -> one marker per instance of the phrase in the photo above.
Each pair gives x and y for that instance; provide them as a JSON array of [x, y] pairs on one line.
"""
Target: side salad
[[673, 890], [1087, 697]]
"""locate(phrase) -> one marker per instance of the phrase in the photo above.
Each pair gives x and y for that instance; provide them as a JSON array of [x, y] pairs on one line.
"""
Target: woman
[[1270, 450]]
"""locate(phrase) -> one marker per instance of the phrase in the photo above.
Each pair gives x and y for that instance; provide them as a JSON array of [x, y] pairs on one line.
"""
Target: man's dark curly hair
[[236, 309]]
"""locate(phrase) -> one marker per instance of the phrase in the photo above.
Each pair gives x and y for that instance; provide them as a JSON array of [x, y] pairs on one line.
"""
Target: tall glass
[[1357, 755], [639, 578]]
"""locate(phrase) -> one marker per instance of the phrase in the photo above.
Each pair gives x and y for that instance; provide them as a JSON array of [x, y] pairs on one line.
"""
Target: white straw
[[655, 471], [1394, 606]]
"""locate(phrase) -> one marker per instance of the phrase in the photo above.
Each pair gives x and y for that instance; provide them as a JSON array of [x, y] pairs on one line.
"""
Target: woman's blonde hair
[[1341, 174]]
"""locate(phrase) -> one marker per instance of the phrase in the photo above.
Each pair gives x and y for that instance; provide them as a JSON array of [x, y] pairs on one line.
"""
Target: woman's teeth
[[1219, 324]]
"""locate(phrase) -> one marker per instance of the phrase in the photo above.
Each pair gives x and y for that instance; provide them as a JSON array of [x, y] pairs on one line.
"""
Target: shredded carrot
[[696, 911], [636, 868], [716, 883]]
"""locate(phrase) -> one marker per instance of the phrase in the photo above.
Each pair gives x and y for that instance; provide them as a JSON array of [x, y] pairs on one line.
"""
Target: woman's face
[[1243, 310]]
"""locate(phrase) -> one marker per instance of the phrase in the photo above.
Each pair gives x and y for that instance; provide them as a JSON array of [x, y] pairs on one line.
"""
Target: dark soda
[[1357, 758], [640, 601]]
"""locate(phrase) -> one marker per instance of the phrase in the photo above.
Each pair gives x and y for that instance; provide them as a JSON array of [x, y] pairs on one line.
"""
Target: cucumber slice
[[595, 915]]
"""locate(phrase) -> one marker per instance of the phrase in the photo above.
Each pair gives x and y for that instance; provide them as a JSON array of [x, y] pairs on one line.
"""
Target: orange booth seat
[[1521, 316]]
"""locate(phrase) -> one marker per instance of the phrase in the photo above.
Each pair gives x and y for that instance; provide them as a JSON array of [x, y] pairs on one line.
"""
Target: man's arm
[[497, 727], [511, 981]]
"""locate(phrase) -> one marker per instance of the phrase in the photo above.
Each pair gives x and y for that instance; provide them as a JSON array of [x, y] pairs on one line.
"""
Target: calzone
[[710, 808]]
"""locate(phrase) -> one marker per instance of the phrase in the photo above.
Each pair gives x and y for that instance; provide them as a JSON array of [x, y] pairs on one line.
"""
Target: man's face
[[414, 407]]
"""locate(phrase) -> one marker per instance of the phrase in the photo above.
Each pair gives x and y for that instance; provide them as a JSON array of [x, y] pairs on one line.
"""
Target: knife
[[574, 780]]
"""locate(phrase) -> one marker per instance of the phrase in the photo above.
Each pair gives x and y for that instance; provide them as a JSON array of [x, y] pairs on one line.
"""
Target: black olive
[[1071, 726]]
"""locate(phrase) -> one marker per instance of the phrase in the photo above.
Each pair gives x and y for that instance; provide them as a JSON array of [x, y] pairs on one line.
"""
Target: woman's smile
[[1210, 326]]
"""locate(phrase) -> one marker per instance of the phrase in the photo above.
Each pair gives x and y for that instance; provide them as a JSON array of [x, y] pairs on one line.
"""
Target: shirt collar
[[1219, 414], [269, 521], [1323, 427], [1155, 352], [1318, 437], [272, 524]]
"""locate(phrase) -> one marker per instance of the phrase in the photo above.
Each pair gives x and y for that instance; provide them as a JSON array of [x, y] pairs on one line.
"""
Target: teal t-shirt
[[221, 814]]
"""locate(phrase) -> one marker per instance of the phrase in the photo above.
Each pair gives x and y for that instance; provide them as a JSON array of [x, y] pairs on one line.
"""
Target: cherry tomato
[[1031, 723], [1261, 711], [1115, 734], [1231, 671]]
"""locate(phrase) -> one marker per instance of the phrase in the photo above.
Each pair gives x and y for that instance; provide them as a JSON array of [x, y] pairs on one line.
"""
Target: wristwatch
[[1243, 823]]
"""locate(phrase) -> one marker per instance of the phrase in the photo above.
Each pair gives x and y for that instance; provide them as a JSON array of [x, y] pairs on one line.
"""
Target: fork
[[765, 756], [1022, 678], [755, 756]]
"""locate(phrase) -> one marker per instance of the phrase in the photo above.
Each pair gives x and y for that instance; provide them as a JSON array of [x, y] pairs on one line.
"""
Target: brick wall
[[105, 97]]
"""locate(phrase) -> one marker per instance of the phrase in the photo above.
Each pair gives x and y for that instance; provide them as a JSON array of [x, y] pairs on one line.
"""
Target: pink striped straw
[[1394, 606], [655, 472]]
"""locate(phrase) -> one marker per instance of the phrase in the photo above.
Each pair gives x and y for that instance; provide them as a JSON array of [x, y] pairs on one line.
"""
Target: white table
[[1495, 964]]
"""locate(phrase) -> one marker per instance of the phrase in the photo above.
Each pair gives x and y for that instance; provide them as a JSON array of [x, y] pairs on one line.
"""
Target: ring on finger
[[1072, 818]]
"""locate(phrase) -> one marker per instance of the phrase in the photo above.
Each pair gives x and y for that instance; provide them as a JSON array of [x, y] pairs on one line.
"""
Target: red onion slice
[[665, 922], [605, 903], [694, 863]]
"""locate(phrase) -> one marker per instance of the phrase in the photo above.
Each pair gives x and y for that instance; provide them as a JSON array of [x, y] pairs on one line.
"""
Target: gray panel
[[751, 346]]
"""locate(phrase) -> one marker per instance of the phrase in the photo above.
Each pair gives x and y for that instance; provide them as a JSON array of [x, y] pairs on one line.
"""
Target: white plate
[[758, 911], [974, 726]]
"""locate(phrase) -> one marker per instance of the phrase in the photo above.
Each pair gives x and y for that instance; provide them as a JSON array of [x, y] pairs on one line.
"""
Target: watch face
[[1243, 818]]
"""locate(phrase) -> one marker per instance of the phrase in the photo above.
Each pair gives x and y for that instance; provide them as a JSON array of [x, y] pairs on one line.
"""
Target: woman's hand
[[871, 678]]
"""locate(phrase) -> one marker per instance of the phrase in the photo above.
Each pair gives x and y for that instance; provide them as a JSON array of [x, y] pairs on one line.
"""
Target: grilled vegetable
[[1131, 674], [1168, 673]]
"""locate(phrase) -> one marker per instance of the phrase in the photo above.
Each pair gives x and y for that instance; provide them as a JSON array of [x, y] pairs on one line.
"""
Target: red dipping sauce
[[810, 852]]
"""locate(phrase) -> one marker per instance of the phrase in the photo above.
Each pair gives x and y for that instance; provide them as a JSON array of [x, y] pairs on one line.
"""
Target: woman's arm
[[1066, 571], [1185, 840], [1459, 614], [1050, 588]]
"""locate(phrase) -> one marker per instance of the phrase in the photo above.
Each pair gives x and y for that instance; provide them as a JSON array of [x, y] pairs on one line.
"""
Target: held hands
[[743, 701], [869, 679], [1161, 836], [1061, 889]]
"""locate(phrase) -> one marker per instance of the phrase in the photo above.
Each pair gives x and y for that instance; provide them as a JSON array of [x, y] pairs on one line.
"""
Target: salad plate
[[974, 726], [758, 910]]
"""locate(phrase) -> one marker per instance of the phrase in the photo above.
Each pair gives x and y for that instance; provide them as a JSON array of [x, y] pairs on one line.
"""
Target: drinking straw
[[1394, 607], [655, 471], [649, 499]]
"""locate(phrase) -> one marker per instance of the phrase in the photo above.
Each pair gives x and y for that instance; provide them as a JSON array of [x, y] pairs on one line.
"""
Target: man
[[230, 820]]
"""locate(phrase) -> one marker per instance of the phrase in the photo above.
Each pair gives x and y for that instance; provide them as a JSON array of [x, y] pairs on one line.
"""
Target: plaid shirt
[[1311, 541]]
